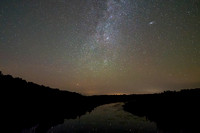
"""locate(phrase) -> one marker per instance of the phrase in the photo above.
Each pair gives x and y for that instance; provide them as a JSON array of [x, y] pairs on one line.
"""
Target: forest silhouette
[[26, 104], [31, 104], [172, 111]]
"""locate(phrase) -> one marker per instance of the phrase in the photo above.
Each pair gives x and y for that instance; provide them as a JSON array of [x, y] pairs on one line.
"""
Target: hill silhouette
[[26, 104], [172, 111], [32, 104]]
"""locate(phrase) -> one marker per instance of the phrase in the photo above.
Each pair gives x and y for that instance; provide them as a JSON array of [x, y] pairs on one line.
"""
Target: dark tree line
[[172, 111], [25, 104], [31, 104]]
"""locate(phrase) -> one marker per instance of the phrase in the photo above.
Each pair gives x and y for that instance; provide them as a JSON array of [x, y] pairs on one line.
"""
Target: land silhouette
[[176, 112], [26, 104], [29, 104]]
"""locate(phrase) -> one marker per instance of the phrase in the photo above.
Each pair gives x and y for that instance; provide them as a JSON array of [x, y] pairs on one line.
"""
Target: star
[[152, 22]]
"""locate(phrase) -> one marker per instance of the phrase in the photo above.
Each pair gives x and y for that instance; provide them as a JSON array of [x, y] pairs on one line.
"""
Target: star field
[[102, 46]]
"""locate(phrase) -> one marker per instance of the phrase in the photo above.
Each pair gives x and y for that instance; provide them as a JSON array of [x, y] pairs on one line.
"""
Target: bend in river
[[109, 118]]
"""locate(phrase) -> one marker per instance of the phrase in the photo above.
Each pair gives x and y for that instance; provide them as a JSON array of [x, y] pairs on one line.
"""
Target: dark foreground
[[26, 104], [176, 112]]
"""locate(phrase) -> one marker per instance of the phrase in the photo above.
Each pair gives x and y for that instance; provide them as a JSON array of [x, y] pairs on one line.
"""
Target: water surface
[[109, 118]]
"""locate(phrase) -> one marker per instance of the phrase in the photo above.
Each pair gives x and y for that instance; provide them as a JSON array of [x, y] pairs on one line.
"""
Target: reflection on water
[[106, 118]]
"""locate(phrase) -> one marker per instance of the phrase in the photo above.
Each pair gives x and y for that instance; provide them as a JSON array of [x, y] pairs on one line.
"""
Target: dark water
[[109, 118]]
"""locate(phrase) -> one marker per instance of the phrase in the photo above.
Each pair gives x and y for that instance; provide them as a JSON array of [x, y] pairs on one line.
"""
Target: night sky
[[102, 46]]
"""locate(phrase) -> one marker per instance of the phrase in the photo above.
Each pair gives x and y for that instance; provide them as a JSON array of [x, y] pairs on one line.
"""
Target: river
[[109, 118]]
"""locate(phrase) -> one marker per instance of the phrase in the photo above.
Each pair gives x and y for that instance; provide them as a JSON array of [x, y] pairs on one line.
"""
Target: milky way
[[103, 42], [102, 46]]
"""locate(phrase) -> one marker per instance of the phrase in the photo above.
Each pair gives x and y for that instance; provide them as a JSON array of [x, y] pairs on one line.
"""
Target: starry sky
[[102, 46]]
